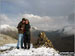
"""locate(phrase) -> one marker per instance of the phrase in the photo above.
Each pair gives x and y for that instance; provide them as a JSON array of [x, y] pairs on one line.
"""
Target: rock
[[43, 41]]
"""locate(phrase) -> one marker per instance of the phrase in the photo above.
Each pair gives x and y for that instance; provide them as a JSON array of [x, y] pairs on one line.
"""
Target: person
[[21, 29], [27, 35]]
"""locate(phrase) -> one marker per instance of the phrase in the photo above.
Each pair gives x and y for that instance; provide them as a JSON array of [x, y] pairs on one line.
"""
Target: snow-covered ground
[[7, 46], [41, 51], [10, 50], [32, 52]]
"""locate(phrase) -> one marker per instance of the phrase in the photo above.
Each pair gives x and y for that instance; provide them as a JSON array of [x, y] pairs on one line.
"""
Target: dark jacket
[[27, 28], [21, 25]]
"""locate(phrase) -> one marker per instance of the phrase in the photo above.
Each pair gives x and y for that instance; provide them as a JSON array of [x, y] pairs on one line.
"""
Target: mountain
[[9, 30], [34, 28], [6, 28], [5, 39], [62, 39]]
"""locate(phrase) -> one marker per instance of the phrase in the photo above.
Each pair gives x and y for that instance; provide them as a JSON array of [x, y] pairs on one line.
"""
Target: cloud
[[44, 14], [37, 19], [70, 30], [4, 19], [71, 18], [41, 22], [46, 22]]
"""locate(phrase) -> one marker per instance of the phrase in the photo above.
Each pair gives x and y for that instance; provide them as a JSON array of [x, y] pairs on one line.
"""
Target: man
[[27, 35], [21, 29]]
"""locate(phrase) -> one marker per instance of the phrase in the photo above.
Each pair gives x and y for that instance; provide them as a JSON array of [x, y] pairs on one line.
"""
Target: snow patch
[[7, 46], [5, 28], [41, 51]]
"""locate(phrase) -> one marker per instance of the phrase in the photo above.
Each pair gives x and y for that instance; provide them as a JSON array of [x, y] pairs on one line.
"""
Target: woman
[[27, 35]]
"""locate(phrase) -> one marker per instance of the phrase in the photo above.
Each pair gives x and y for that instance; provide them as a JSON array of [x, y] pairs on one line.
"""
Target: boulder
[[43, 41]]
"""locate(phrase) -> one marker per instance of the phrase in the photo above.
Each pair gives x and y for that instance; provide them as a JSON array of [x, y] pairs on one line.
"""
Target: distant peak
[[33, 27], [4, 26]]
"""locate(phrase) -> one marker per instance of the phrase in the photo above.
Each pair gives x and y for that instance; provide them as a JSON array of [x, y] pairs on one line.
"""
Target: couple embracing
[[23, 34]]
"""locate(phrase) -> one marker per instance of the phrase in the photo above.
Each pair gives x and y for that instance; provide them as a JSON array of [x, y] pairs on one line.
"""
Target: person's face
[[27, 22], [23, 21]]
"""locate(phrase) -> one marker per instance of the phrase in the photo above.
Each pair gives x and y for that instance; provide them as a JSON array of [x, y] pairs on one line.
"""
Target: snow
[[7, 46], [6, 27], [70, 30], [41, 51], [34, 28], [32, 52]]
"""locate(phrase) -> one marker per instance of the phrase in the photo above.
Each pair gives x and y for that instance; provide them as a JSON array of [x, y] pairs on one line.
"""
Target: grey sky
[[45, 14], [37, 7]]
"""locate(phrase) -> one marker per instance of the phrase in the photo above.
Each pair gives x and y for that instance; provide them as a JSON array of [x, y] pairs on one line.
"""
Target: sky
[[44, 14]]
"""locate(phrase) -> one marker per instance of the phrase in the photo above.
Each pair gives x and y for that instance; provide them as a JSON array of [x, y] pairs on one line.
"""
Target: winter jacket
[[27, 28], [21, 25]]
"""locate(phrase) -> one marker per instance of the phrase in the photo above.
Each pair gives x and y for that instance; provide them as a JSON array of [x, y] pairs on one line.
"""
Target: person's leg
[[22, 35], [18, 43], [28, 45], [25, 47], [28, 41]]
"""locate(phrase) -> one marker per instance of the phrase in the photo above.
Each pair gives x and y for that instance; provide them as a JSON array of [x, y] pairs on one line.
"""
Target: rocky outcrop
[[43, 41]]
